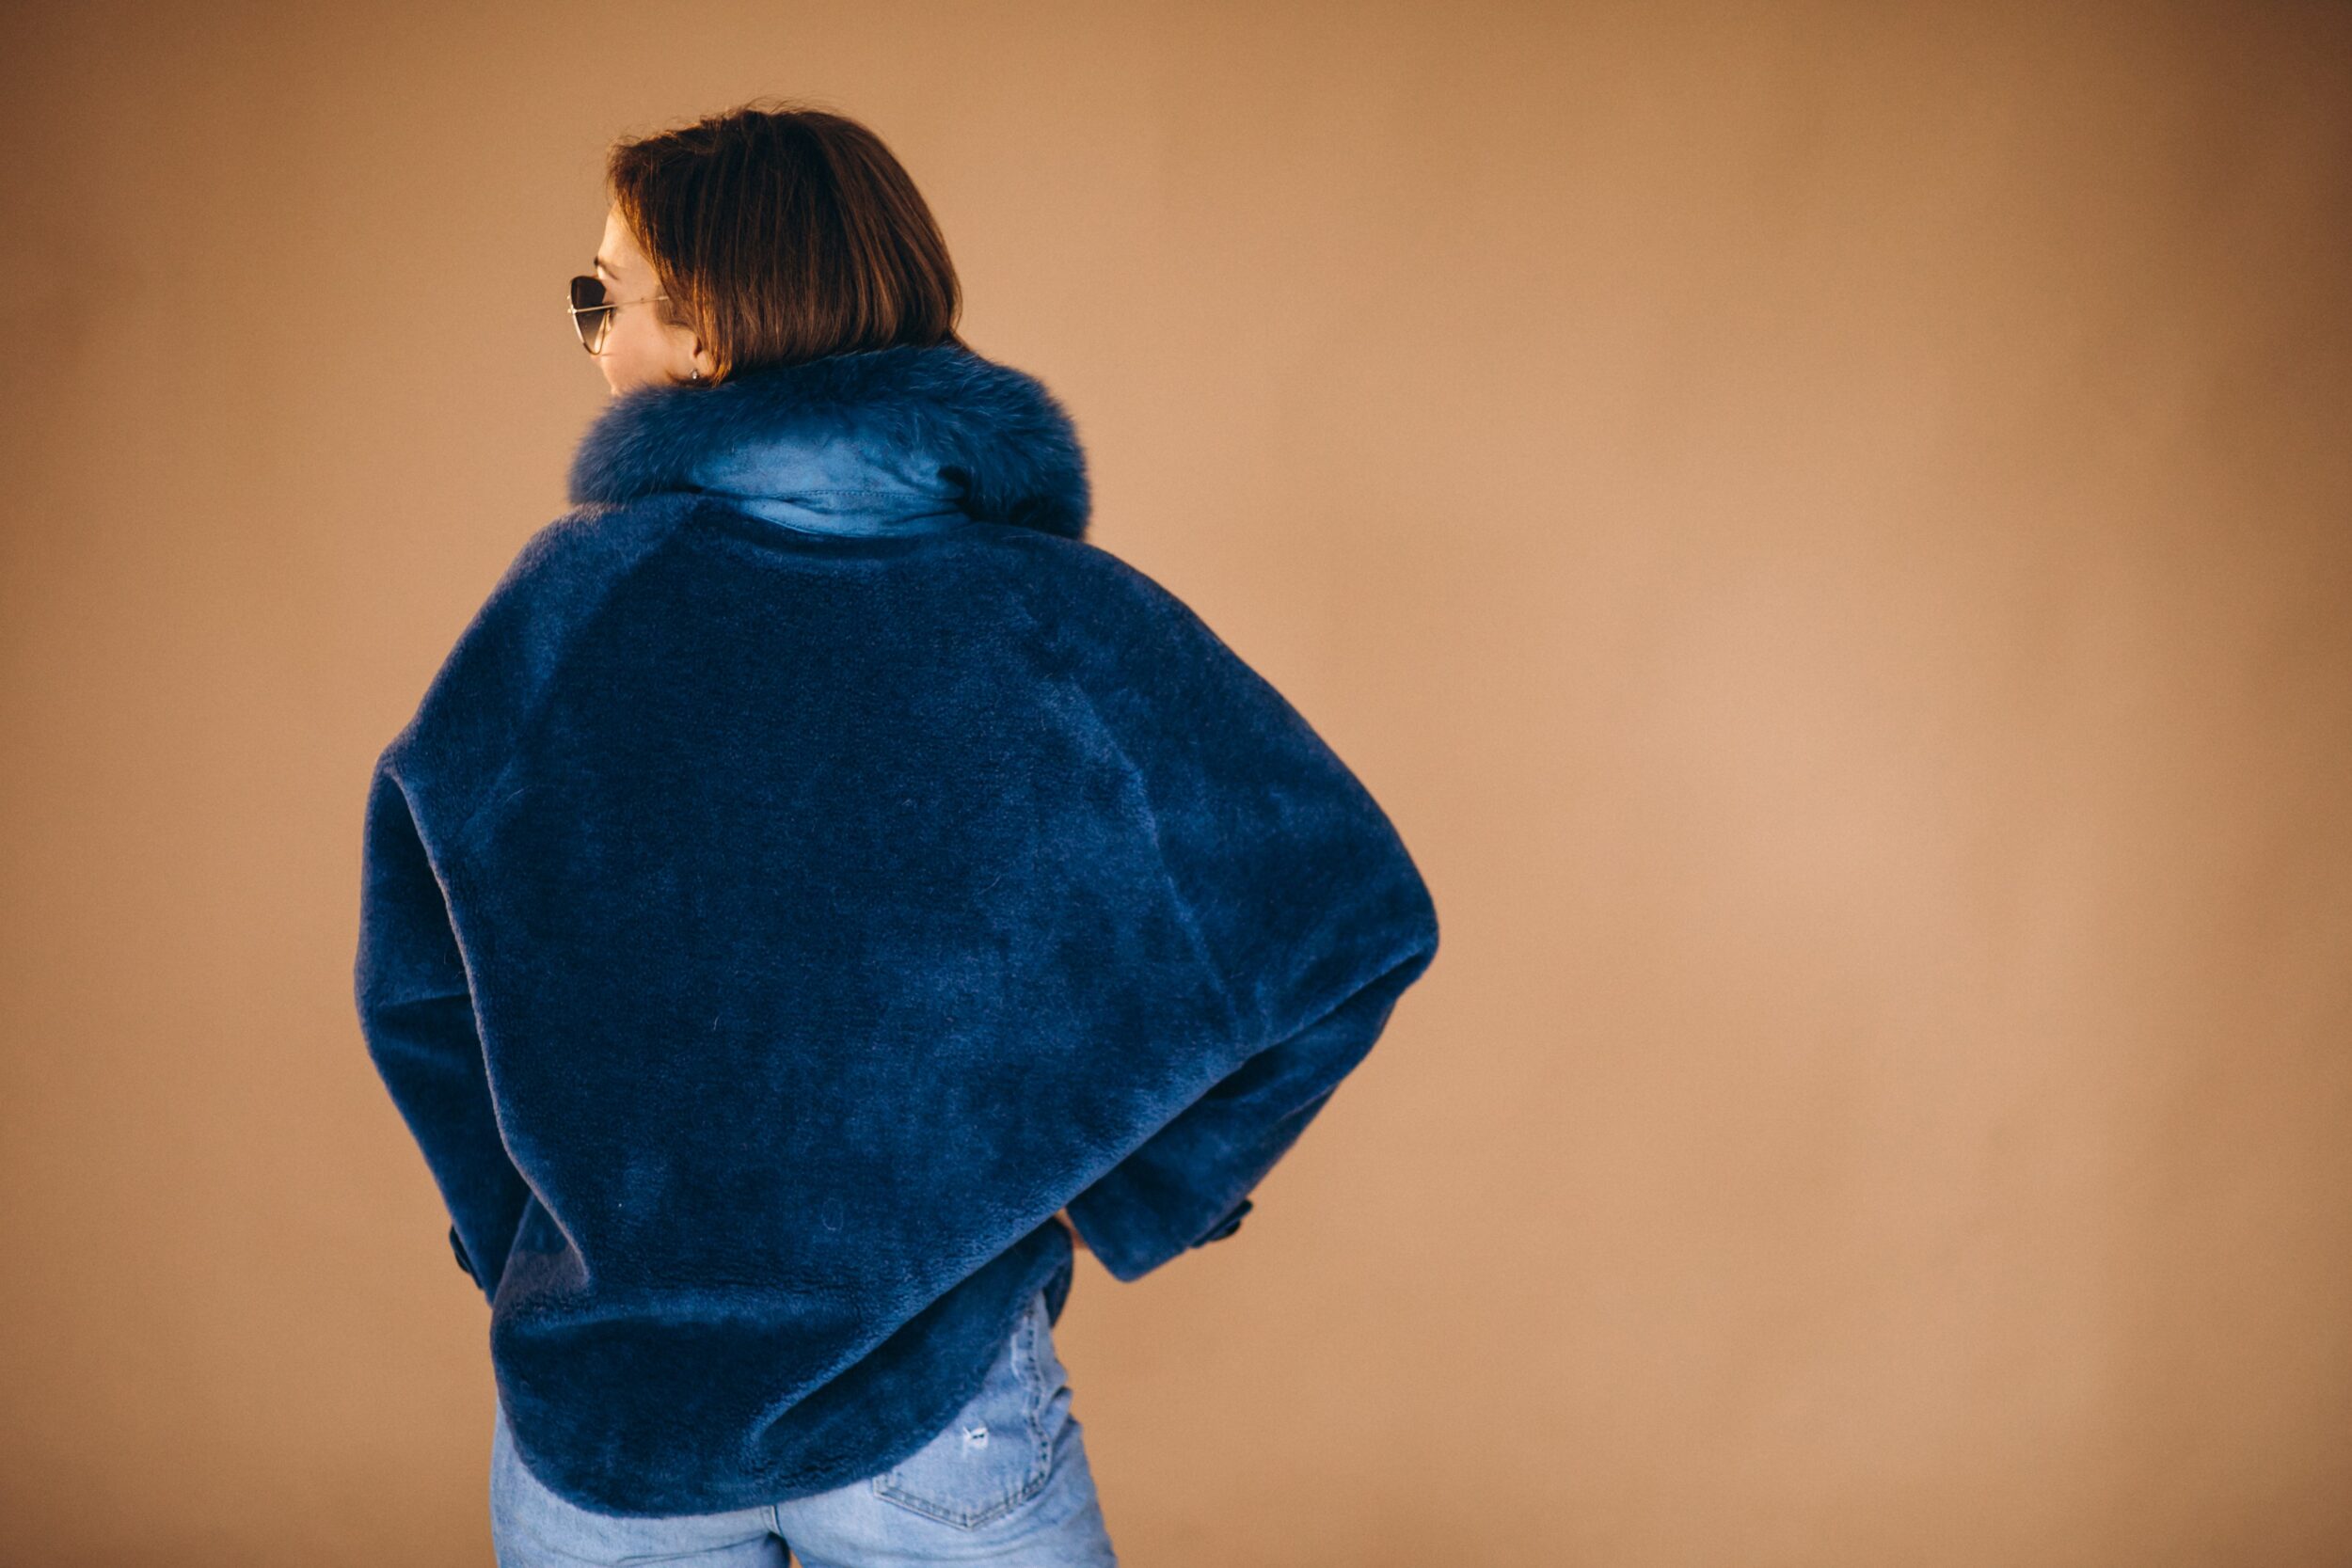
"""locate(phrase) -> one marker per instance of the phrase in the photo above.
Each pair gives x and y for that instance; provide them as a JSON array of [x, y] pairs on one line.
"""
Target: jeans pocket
[[997, 1451]]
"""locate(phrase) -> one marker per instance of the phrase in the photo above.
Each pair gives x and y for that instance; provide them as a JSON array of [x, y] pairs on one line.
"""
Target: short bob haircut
[[786, 233]]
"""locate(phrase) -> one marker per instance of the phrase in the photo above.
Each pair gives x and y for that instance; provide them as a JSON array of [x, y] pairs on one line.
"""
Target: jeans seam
[[1028, 1374]]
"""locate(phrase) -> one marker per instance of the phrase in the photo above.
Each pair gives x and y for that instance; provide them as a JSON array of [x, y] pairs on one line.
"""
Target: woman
[[819, 887]]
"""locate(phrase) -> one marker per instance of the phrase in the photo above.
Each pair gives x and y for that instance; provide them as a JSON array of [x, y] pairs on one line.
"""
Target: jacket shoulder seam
[[541, 698], [1205, 956], [1128, 577]]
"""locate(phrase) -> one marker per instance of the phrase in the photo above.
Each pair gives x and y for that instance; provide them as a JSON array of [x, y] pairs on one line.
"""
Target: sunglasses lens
[[590, 312]]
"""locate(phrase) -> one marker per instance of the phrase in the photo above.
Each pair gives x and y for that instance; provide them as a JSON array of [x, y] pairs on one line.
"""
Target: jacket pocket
[[996, 1452]]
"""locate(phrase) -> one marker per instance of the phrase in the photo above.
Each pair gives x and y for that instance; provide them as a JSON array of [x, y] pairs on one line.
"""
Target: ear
[[699, 361]]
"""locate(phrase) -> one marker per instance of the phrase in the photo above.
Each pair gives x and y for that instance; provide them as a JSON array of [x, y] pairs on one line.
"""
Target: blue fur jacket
[[813, 868]]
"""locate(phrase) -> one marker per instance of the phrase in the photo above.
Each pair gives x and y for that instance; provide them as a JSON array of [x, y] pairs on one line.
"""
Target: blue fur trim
[[995, 433]]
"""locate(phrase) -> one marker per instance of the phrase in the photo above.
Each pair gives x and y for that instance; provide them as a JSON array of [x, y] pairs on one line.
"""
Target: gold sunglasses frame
[[603, 329]]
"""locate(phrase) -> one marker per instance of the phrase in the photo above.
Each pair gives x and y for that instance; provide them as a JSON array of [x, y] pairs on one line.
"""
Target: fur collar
[[937, 428]]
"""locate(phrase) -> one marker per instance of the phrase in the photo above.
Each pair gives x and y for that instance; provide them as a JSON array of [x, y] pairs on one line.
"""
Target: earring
[[698, 376]]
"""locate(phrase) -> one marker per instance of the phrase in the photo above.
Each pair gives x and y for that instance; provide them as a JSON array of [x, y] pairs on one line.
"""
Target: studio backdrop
[[1827, 527]]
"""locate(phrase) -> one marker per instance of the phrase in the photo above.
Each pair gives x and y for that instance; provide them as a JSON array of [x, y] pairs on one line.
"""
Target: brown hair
[[786, 233]]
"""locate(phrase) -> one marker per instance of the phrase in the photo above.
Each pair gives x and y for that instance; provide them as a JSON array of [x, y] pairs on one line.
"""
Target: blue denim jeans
[[1005, 1482]]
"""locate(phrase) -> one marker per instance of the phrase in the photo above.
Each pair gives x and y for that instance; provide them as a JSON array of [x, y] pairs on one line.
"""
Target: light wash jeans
[[1006, 1482]]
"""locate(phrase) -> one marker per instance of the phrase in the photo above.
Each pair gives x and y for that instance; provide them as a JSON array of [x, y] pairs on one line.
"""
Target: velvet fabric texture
[[814, 865]]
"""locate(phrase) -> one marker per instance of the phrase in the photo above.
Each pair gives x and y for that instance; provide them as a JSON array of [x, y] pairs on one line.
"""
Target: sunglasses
[[592, 310]]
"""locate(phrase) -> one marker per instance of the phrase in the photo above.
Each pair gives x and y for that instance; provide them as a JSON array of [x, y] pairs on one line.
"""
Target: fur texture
[[999, 441], [766, 930]]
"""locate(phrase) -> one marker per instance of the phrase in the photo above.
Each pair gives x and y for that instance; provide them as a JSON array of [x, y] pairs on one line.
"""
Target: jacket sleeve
[[1308, 913], [416, 1014]]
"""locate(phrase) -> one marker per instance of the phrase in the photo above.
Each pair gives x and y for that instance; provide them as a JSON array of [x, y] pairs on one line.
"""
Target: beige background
[[1826, 528]]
